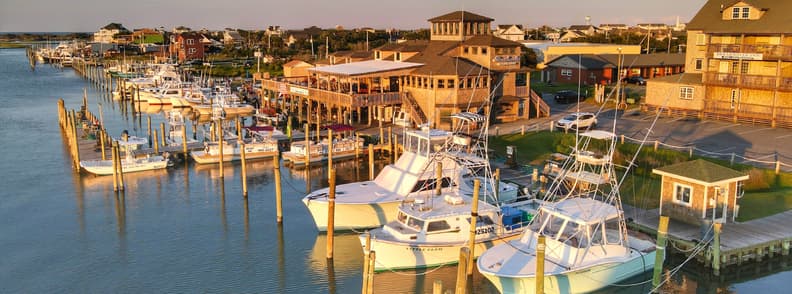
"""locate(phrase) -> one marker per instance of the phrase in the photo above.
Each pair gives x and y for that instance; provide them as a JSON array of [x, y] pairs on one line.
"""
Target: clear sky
[[89, 15]]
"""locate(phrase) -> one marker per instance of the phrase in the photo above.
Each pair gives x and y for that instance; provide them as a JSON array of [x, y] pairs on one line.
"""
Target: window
[[741, 12], [682, 194], [735, 66], [465, 50], [699, 63], [191, 51], [735, 98], [746, 11], [686, 93], [377, 55], [565, 72], [483, 50], [415, 223], [450, 83], [190, 41], [441, 84], [437, 226], [398, 56], [701, 39], [744, 67], [736, 13], [474, 50]]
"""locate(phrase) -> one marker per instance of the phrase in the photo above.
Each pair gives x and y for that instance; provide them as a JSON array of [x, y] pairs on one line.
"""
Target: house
[[586, 30], [601, 68], [107, 33], [699, 191], [613, 26], [187, 46], [742, 52], [232, 38], [296, 68], [181, 29], [510, 32], [569, 36]]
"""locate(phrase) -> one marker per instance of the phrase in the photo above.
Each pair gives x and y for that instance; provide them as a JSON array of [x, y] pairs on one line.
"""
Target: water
[[184, 229]]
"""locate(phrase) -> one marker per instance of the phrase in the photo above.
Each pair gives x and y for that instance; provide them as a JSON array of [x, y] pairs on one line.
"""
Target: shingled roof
[[460, 16], [701, 170], [776, 19], [490, 40], [447, 66]]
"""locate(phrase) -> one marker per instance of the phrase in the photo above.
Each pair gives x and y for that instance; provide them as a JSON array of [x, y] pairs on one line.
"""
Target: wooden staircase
[[542, 109], [410, 105]]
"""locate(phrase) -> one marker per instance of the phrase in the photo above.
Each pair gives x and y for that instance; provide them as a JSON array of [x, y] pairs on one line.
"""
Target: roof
[[683, 78], [701, 170], [364, 67], [408, 46], [508, 26], [580, 27], [586, 61], [296, 62], [490, 40], [776, 18], [583, 210], [353, 54], [597, 61], [461, 16], [447, 66]]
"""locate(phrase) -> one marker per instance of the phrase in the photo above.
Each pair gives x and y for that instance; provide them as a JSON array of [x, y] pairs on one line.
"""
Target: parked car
[[635, 80], [567, 96], [577, 120]]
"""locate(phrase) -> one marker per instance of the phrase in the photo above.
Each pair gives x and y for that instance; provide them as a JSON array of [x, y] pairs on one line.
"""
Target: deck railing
[[768, 51], [748, 81], [296, 87]]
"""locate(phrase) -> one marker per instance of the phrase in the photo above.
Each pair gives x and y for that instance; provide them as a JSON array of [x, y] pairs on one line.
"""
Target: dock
[[740, 242]]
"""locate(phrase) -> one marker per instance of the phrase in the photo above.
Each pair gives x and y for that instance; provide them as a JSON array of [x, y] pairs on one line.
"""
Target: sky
[[90, 15]]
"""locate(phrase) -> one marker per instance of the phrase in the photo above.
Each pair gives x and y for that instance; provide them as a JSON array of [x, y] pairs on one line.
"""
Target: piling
[[473, 218], [656, 144], [184, 141], [439, 178], [372, 261], [156, 144], [330, 149], [102, 143], [331, 213], [244, 168], [307, 145], [716, 249], [366, 251], [75, 143], [662, 231], [461, 282], [278, 191], [371, 161], [115, 166], [162, 134], [496, 185], [357, 146], [437, 287], [148, 123], [540, 260], [120, 166], [220, 142]]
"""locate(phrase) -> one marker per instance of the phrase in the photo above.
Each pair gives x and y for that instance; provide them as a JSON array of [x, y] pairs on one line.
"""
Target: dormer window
[[397, 57], [741, 12]]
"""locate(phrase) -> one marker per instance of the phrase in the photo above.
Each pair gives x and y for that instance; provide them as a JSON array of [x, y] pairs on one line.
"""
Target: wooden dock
[[753, 240]]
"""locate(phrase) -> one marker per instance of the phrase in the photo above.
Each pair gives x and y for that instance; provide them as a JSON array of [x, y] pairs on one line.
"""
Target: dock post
[[656, 144], [239, 127], [308, 146], [148, 123], [372, 261], [662, 231], [382, 135], [439, 178], [461, 282], [278, 191], [357, 146], [366, 251], [330, 149], [437, 287], [622, 138], [522, 130], [115, 165], [716, 249], [120, 167], [162, 134], [184, 141], [540, 261], [219, 126], [496, 183], [331, 213], [244, 168], [76, 143], [101, 116], [371, 161], [102, 143], [473, 218], [156, 143]]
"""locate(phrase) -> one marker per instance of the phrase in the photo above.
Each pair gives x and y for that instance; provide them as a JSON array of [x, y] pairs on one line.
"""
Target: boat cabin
[[425, 141], [700, 191]]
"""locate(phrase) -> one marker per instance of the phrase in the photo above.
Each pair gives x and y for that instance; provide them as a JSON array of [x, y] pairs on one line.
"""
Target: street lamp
[[619, 100], [257, 54]]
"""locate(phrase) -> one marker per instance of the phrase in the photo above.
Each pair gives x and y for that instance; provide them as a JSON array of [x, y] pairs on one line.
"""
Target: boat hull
[[105, 167], [202, 157], [357, 216], [299, 159], [399, 255], [581, 281]]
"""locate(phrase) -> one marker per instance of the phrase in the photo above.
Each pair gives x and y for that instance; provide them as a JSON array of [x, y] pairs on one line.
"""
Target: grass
[[5, 45], [765, 192]]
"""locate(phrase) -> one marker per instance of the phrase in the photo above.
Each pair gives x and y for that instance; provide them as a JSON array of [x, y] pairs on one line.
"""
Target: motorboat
[[255, 148]]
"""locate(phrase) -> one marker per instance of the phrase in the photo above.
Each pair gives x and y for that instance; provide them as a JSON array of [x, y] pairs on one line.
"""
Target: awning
[[364, 67]]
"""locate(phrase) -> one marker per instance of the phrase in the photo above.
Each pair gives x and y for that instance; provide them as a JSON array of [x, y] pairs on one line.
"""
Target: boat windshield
[[415, 223]]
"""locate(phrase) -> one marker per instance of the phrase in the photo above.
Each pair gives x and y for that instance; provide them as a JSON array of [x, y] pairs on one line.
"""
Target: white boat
[[129, 163], [587, 243], [225, 101], [430, 229], [342, 148], [254, 149], [176, 129], [370, 204]]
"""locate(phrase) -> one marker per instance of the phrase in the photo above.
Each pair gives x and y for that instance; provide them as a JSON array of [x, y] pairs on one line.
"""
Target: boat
[[176, 130], [225, 101], [431, 227], [255, 148], [342, 148], [370, 204], [129, 163], [588, 246]]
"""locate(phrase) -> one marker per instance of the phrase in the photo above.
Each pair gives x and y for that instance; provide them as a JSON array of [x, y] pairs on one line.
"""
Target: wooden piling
[[156, 144], [308, 145], [102, 143], [461, 282], [473, 219], [439, 178], [357, 146], [437, 287], [278, 191], [239, 127], [716, 258], [244, 168], [330, 149], [496, 186], [120, 166], [371, 161], [331, 213], [220, 142], [162, 134], [366, 250], [656, 144], [148, 123], [184, 141], [662, 231], [115, 165], [540, 260]]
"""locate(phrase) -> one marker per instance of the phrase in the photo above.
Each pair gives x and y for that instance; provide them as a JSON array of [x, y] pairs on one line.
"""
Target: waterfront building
[[738, 65], [455, 71], [187, 46], [107, 33]]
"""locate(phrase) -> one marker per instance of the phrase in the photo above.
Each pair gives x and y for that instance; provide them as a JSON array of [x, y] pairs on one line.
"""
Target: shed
[[696, 190]]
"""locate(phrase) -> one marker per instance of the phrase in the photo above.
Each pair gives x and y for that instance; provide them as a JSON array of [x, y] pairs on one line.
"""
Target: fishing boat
[[588, 246], [342, 149], [176, 129], [255, 148], [431, 227], [227, 102], [370, 204], [129, 163]]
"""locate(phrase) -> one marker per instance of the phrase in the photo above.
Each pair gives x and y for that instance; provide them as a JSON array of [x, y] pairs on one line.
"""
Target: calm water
[[185, 229]]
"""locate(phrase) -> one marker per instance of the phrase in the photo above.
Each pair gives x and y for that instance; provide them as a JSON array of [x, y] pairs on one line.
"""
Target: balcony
[[743, 81], [353, 100], [769, 52]]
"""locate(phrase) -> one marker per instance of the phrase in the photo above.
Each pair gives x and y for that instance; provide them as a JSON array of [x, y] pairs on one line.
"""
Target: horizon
[[24, 16]]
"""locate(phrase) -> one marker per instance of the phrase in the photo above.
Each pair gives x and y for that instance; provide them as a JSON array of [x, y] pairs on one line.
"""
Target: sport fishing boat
[[342, 148], [129, 163], [430, 228], [370, 204], [176, 129], [588, 246]]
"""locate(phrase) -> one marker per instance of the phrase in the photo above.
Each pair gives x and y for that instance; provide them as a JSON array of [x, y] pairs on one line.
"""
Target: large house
[[107, 33], [463, 67], [512, 32], [738, 65], [187, 46]]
